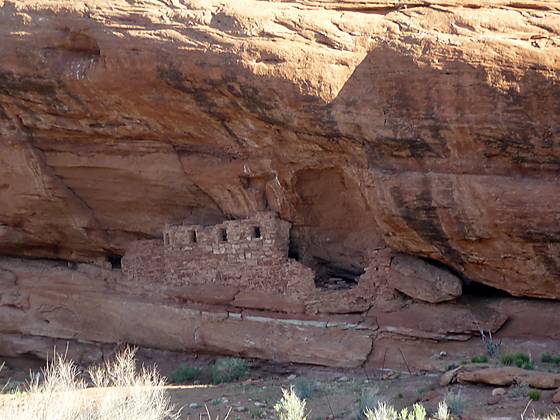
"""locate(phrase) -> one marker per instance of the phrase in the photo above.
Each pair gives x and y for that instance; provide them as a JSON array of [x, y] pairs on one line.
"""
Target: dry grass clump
[[290, 407], [386, 412], [60, 393]]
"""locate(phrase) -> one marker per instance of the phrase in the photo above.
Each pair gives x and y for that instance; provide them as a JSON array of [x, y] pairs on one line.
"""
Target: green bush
[[305, 388], [534, 394], [455, 402], [549, 358], [184, 374], [480, 359], [368, 401], [521, 360], [228, 369]]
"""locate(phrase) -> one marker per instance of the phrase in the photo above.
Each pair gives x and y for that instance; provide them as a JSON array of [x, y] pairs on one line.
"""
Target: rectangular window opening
[[193, 236], [223, 235], [257, 232]]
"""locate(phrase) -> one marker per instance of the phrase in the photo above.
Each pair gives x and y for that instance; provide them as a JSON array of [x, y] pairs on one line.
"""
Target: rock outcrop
[[433, 129], [95, 305], [505, 376], [410, 145], [418, 279]]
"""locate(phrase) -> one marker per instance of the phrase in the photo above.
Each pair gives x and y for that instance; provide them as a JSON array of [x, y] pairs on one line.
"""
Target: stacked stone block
[[249, 253], [144, 262]]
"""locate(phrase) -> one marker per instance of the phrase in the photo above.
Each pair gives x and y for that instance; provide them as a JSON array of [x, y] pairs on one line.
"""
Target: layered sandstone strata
[[382, 131], [430, 128]]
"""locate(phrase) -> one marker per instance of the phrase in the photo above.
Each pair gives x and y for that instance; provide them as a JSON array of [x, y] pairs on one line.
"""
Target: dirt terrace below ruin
[[331, 393]]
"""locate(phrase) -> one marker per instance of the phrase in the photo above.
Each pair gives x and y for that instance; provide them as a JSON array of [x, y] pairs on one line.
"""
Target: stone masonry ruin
[[250, 253], [246, 264]]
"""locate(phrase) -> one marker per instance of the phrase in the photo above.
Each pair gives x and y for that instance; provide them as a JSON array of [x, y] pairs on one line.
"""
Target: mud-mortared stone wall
[[250, 253]]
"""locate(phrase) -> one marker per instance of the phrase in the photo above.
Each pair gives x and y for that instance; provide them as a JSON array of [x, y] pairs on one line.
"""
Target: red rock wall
[[430, 130]]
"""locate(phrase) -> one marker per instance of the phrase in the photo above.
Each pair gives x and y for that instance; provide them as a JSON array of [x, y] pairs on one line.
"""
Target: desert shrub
[[480, 359], [3, 387], [384, 411], [492, 346], [442, 412], [521, 360], [184, 374], [534, 394], [455, 402], [305, 388], [228, 369], [290, 407], [418, 413], [59, 393], [520, 390], [552, 416], [368, 401], [549, 358]]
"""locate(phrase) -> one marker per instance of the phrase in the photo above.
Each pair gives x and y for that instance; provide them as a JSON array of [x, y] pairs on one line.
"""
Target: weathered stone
[[498, 391], [220, 255], [269, 301], [494, 399], [7, 278], [504, 376], [556, 397], [448, 377], [211, 294], [389, 135], [398, 134], [449, 322], [16, 345], [280, 342], [69, 305], [420, 280]]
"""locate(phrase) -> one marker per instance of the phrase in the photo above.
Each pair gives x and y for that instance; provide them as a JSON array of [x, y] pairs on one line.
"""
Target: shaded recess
[[333, 227], [335, 277], [470, 287], [115, 261], [476, 289]]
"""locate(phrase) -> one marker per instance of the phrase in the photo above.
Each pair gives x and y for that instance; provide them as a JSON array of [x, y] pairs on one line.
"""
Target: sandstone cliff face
[[432, 130]]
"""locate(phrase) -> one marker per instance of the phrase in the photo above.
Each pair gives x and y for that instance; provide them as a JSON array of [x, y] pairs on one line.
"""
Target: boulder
[[498, 392], [505, 376], [423, 281], [556, 397]]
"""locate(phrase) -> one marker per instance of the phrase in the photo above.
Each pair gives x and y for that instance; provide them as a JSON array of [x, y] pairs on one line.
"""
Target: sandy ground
[[335, 393]]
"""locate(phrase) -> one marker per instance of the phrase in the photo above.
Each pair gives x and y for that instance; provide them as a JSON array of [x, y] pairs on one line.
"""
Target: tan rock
[[399, 129], [70, 305], [7, 278], [255, 299], [494, 399], [431, 396], [556, 397], [498, 391], [211, 294], [505, 376], [420, 280], [448, 377], [449, 321]]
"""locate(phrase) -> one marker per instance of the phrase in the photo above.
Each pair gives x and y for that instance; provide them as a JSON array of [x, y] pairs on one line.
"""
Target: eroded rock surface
[[418, 279], [382, 131], [98, 305], [504, 376], [431, 129]]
